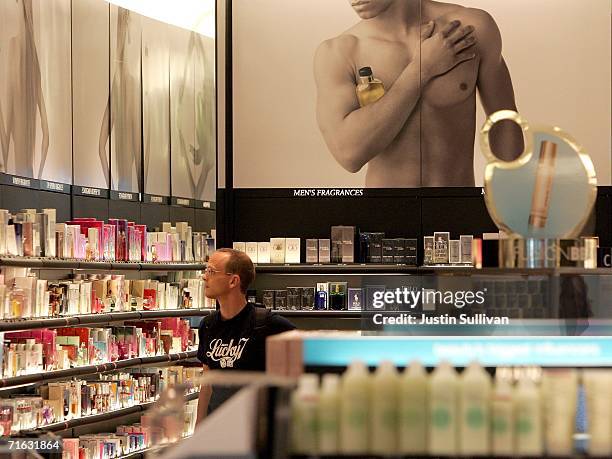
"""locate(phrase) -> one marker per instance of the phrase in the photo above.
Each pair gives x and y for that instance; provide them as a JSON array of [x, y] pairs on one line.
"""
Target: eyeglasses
[[209, 271]]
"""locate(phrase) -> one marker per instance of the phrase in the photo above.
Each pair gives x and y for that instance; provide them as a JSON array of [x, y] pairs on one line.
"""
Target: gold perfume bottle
[[540, 199], [369, 89]]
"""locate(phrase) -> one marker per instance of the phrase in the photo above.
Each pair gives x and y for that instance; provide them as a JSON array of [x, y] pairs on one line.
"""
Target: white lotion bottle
[[474, 409], [329, 415], [384, 410], [413, 398], [355, 409], [528, 419], [560, 397], [443, 387], [502, 418], [598, 391], [304, 403]]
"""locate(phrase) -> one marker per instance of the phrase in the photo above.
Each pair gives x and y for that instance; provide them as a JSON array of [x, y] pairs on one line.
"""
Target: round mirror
[[548, 191]]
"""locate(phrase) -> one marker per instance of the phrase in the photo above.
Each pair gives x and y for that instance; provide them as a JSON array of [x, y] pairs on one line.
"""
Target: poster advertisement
[[393, 93]]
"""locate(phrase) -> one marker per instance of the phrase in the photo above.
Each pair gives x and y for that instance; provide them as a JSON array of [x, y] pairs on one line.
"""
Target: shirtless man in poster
[[430, 56]]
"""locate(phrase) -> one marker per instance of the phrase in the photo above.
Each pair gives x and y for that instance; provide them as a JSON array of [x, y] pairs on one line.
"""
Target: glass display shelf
[[58, 375], [464, 270], [9, 325], [57, 263], [96, 418]]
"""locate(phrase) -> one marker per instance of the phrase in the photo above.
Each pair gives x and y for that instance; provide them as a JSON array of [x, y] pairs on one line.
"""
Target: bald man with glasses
[[234, 336]]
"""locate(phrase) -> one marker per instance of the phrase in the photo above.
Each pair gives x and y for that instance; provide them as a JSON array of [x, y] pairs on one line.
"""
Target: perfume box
[[454, 251], [268, 299], [337, 296], [373, 293], [466, 248], [355, 299], [364, 247], [263, 252], [411, 251], [312, 250], [251, 251], [348, 244], [375, 247], [428, 250], [277, 250], [388, 250], [399, 253], [292, 250], [321, 297], [441, 243], [388, 259], [604, 257], [240, 246], [294, 298], [324, 250], [490, 253], [280, 300], [336, 244], [308, 298]]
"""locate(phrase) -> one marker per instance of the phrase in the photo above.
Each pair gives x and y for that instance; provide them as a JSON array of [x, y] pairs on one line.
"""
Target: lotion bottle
[[502, 418], [354, 409], [413, 410], [304, 404], [475, 394], [528, 419], [597, 385], [384, 406], [442, 416], [328, 415]]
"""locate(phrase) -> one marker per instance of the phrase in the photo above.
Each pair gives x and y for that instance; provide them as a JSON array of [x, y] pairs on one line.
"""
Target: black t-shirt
[[238, 343]]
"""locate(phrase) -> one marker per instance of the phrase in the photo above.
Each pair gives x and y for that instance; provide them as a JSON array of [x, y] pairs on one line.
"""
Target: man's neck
[[399, 19], [230, 306]]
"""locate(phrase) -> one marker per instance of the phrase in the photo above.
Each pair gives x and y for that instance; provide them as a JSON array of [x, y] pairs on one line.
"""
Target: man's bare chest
[[389, 60]]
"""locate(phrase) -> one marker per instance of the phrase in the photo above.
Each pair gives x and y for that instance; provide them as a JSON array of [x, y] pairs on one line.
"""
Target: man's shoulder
[[467, 15], [341, 45]]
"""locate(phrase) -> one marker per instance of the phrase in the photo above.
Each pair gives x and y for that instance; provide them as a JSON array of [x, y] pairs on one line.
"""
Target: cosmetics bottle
[[384, 410], [528, 419], [474, 417], [304, 404], [428, 250], [328, 415], [560, 391], [6, 418], [412, 404], [355, 409], [369, 89], [443, 388], [597, 385], [337, 296], [540, 199], [321, 299], [502, 418]]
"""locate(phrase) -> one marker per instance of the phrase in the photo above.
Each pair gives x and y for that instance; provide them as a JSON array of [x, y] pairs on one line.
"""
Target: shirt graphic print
[[226, 353]]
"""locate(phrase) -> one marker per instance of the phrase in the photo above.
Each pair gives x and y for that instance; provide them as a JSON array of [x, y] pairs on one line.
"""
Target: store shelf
[[348, 268], [95, 319], [320, 314], [361, 268], [96, 418], [59, 375], [56, 263]]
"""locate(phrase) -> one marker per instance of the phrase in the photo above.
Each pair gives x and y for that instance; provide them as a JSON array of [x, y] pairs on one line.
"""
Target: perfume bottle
[[369, 89], [540, 199]]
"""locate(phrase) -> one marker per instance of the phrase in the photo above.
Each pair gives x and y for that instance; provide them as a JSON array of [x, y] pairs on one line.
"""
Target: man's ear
[[235, 281]]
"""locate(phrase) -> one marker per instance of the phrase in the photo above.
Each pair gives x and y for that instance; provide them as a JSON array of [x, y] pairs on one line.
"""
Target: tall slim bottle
[[413, 410], [354, 409], [443, 388], [384, 410], [540, 199]]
